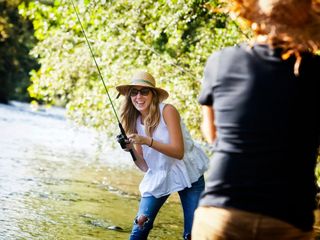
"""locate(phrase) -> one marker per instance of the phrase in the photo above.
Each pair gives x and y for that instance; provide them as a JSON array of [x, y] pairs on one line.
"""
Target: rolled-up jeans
[[150, 206], [213, 223]]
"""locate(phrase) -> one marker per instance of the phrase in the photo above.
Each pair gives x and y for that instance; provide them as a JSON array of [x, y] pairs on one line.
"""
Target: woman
[[262, 97], [164, 150]]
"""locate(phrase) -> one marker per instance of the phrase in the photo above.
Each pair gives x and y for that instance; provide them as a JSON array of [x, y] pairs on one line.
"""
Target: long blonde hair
[[129, 115]]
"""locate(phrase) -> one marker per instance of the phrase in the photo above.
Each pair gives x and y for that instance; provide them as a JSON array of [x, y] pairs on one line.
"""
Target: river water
[[59, 181]]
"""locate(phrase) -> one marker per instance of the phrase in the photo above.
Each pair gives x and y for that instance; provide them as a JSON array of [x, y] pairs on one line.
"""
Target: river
[[60, 181]]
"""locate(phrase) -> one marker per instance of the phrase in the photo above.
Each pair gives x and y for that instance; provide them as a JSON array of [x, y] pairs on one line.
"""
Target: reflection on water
[[62, 182]]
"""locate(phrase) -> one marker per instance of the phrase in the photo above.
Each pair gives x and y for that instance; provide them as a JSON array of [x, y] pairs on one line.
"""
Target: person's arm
[[175, 148], [140, 162], [206, 98], [207, 127], [138, 153]]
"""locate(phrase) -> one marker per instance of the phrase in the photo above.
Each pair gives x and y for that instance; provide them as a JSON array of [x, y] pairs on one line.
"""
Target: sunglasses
[[143, 92]]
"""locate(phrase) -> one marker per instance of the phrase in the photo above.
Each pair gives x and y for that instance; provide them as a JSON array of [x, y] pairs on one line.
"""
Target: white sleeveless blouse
[[165, 174]]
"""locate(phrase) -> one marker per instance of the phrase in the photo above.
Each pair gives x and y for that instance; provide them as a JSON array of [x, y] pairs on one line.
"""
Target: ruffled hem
[[161, 183]]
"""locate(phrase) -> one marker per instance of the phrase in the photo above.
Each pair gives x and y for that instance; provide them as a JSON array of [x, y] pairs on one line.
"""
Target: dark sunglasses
[[143, 91]]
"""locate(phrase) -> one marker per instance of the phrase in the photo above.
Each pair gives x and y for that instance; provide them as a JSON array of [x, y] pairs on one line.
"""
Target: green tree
[[16, 40], [171, 39]]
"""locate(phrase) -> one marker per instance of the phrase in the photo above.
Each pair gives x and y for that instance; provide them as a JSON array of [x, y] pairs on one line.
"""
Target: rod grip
[[132, 155], [125, 136]]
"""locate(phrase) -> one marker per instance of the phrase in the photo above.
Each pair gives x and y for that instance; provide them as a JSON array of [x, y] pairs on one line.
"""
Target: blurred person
[[261, 105]]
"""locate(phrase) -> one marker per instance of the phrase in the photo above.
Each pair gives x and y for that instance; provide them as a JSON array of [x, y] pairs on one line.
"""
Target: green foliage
[[317, 169], [16, 39], [171, 39]]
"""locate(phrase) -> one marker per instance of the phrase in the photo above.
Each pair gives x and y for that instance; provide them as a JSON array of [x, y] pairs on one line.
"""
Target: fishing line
[[170, 62], [94, 59], [141, 43], [145, 46], [124, 136]]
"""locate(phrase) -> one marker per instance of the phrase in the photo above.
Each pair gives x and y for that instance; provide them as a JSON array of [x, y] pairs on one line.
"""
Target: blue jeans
[[150, 206]]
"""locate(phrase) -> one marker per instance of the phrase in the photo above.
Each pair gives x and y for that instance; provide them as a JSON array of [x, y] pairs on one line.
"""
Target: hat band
[[144, 81]]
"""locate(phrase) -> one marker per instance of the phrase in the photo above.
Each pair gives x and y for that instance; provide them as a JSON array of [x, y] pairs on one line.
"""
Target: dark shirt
[[268, 127]]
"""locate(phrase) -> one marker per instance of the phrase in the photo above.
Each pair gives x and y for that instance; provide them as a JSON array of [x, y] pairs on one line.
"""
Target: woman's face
[[141, 98]]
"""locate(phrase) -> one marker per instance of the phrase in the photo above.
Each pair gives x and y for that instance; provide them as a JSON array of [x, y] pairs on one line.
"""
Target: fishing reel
[[122, 140]]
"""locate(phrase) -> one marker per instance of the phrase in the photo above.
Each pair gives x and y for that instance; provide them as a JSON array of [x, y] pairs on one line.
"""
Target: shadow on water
[[54, 184]]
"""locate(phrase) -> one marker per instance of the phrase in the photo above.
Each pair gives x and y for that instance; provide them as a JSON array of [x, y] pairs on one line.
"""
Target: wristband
[[151, 142]]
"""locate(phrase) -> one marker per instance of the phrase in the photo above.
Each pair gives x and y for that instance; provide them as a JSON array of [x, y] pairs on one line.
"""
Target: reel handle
[[125, 137]]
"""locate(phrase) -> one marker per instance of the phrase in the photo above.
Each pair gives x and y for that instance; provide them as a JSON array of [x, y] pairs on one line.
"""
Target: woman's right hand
[[129, 145], [124, 142]]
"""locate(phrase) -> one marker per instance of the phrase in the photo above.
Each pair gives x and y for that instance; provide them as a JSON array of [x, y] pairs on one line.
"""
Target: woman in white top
[[164, 150]]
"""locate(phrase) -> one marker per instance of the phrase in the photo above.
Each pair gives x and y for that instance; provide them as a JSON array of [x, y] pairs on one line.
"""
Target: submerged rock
[[115, 228]]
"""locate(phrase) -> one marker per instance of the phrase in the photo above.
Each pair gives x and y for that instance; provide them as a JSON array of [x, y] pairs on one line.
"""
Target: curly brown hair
[[292, 25]]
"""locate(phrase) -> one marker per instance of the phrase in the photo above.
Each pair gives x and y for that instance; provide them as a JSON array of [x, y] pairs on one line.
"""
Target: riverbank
[[60, 181]]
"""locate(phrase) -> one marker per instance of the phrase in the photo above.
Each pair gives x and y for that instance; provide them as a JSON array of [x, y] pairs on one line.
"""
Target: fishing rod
[[121, 138]]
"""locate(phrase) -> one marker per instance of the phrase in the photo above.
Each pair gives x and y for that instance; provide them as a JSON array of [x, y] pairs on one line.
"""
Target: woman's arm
[[175, 148], [138, 153], [207, 127], [140, 162]]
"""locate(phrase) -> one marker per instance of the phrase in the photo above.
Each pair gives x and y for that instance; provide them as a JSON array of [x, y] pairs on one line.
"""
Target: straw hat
[[292, 21], [143, 79]]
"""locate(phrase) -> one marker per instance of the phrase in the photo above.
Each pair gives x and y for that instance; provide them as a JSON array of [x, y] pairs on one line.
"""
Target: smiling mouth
[[140, 103]]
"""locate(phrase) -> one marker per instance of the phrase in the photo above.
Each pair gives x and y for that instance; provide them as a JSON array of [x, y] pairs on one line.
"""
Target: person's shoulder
[[314, 57], [169, 108], [309, 57], [239, 48], [317, 60], [170, 113], [310, 62], [228, 50]]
